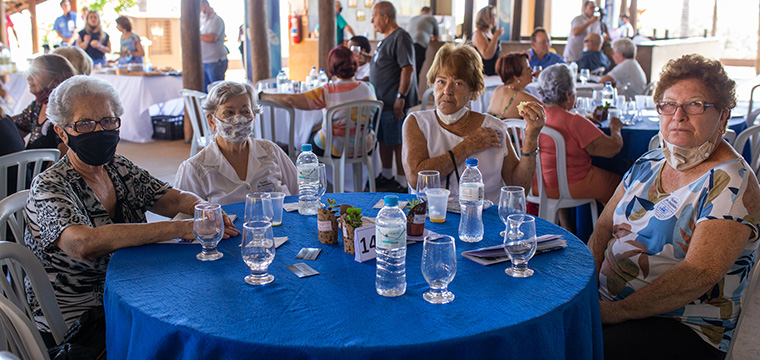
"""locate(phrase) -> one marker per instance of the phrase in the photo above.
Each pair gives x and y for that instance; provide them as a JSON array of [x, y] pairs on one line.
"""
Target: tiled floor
[[162, 158]]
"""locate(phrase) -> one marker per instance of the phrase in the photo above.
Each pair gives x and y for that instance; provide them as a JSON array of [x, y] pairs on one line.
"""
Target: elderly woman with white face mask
[[675, 244], [442, 139], [235, 164]]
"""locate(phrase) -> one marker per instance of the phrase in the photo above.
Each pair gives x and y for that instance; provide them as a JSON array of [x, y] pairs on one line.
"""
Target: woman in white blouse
[[235, 164]]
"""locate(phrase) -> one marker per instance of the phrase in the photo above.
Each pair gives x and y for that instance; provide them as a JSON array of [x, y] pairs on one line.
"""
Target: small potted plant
[[351, 219], [327, 223], [600, 112], [415, 217]]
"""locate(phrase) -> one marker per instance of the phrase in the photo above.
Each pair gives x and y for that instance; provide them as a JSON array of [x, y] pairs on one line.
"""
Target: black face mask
[[340, 10], [96, 148]]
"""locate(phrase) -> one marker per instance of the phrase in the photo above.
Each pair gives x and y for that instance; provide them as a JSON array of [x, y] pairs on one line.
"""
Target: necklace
[[510, 87]]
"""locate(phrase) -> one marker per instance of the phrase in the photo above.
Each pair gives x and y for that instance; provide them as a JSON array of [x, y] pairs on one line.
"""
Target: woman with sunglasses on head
[[359, 45], [93, 201], [677, 240]]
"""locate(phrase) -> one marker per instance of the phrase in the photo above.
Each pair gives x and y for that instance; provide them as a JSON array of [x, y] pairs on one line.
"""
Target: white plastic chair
[[547, 208], [21, 159], [202, 134], [427, 97], [750, 135], [598, 71], [12, 214], [484, 100], [18, 260], [359, 118], [752, 116], [273, 106], [20, 336], [746, 297]]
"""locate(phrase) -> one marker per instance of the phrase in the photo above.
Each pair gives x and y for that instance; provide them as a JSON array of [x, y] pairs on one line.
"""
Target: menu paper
[[496, 254]]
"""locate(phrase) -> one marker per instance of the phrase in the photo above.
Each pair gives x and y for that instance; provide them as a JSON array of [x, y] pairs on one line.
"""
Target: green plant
[[412, 203], [119, 5], [332, 206], [354, 217]]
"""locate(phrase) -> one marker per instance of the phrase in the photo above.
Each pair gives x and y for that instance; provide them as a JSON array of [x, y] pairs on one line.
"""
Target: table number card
[[364, 243]]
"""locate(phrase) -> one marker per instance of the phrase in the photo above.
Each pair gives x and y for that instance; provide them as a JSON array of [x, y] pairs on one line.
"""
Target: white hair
[[554, 83], [60, 109], [625, 47], [223, 91]]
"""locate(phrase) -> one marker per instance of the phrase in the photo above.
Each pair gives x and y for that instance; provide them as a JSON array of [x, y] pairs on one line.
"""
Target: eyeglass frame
[[358, 50], [97, 122], [705, 106]]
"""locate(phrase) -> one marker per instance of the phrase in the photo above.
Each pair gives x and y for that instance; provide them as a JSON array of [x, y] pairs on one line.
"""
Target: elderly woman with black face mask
[[235, 163], [92, 202]]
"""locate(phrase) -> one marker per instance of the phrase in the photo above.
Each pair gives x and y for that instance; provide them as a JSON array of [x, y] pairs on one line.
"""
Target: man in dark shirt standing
[[422, 28], [393, 76]]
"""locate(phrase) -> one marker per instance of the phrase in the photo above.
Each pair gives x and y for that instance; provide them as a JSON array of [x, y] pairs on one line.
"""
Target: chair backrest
[[752, 116], [202, 134], [559, 142], [516, 129], [358, 117], [17, 260], [598, 71], [752, 98], [649, 89], [273, 106], [12, 214], [745, 301], [21, 159], [20, 335], [485, 99], [428, 97], [750, 136]]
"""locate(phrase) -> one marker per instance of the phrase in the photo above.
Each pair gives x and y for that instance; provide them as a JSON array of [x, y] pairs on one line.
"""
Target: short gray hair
[[625, 47], [554, 83], [223, 91], [60, 109], [79, 59]]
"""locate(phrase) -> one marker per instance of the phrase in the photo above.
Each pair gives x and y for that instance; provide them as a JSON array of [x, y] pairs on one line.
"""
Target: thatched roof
[[14, 6]]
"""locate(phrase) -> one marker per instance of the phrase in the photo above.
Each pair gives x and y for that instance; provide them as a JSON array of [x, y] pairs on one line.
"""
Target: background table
[[163, 303], [137, 94]]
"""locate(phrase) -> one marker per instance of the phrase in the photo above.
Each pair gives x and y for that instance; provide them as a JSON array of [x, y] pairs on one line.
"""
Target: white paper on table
[[421, 238], [290, 207], [381, 203]]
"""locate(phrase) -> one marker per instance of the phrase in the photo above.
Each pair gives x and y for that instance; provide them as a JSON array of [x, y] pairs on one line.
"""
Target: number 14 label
[[364, 243]]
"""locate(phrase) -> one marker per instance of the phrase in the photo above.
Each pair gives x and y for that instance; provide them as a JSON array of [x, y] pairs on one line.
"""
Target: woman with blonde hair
[[486, 38], [77, 57], [93, 40]]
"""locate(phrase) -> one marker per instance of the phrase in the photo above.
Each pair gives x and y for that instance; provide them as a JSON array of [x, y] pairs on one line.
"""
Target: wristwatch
[[399, 96]]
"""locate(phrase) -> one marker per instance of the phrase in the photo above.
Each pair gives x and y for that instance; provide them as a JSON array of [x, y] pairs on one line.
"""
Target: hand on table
[[229, 227], [615, 124], [187, 228]]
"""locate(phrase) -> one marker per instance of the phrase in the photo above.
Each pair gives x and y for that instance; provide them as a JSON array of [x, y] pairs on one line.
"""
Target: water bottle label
[[419, 219], [473, 193], [308, 174], [390, 237], [324, 225]]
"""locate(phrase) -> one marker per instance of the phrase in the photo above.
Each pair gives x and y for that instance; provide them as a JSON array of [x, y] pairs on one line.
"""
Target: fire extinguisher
[[295, 28]]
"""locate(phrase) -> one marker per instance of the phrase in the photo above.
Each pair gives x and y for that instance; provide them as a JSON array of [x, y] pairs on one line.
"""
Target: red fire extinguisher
[[295, 28]]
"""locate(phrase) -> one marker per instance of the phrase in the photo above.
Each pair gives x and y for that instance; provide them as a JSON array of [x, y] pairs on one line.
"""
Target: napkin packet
[[496, 254]]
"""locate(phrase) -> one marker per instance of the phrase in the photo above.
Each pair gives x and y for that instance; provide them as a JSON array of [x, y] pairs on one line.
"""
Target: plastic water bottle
[[313, 78], [282, 79], [608, 95], [471, 192], [390, 237], [308, 181], [322, 77]]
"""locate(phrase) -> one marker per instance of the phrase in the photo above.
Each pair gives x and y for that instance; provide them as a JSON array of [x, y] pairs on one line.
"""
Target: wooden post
[[259, 41], [327, 36], [633, 13], [35, 33], [3, 30], [468, 16], [623, 6], [192, 65], [757, 58], [74, 7], [538, 15], [516, 20], [714, 29]]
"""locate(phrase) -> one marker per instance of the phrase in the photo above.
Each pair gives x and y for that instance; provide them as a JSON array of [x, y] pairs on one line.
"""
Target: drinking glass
[[208, 227], [277, 199], [520, 244], [258, 251], [427, 179], [258, 206], [322, 187], [584, 75], [630, 109], [437, 204], [511, 201], [439, 265]]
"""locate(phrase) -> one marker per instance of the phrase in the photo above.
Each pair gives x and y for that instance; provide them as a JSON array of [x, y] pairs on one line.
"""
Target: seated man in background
[[361, 48], [593, 57], [628, 75], [540, 50]]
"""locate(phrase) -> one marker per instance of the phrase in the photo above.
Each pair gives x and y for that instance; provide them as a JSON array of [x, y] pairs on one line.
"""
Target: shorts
[[389, 131]]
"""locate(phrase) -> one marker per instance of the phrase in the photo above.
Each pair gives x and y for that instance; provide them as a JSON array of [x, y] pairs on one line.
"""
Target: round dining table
[[162, 303]]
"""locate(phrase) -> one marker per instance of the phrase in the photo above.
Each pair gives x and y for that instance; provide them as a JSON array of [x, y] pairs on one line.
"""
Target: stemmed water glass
[[258, 251], [258, 206], [511, 201], [520, 244], [208, 227], [322, 187], [439, 265], [584, 76], [427, 179]]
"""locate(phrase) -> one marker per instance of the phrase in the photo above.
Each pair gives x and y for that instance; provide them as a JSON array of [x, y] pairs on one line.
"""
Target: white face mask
[[451, 119], [681, 158]]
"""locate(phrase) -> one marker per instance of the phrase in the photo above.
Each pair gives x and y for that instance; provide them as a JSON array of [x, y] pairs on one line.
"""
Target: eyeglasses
[[87, 126], [358, 49], [691, 108]]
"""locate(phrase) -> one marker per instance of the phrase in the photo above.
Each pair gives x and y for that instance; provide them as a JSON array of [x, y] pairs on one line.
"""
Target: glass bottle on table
[[390, 240], [471, 193]]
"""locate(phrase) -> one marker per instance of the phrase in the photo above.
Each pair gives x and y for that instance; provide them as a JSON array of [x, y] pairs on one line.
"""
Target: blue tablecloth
[[163, 303]]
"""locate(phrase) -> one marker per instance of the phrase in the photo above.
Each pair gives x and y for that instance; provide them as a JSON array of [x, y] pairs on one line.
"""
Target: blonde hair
[[484, 19], [89, 29], [461, 61], [77, 57]]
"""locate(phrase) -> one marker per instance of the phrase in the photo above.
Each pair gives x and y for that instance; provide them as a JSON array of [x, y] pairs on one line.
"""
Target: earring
[[518, 81]]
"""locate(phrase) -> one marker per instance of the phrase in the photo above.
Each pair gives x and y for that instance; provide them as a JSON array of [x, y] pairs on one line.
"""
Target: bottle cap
[[471, 162], [391, 200], [306, 147], [607, 83]]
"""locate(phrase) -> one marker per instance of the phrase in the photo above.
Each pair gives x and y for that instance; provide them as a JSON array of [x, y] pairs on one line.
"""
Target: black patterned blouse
[[42, 136], [59, 198]]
